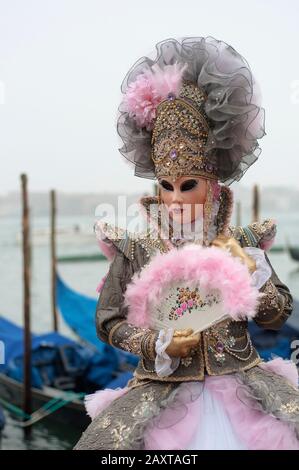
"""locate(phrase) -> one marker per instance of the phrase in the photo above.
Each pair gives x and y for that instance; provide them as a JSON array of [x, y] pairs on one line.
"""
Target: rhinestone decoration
[[180, 135]]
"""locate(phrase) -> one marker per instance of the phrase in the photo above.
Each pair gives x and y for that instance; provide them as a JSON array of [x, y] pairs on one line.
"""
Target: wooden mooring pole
[[53, 259], [27, 398], [256, 204]]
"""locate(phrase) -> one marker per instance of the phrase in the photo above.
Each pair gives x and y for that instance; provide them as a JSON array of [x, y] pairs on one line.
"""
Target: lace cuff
[[165, 365], [263, 271]]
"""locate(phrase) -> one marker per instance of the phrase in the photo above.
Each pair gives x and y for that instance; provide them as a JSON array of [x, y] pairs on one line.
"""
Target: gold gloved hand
[[231, 245], [182, 343]]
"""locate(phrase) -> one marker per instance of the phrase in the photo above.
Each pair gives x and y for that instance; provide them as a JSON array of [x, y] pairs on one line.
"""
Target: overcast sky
[[62, 63]]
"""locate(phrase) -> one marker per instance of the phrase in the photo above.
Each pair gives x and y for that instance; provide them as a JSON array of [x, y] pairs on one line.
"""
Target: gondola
[[2, 420], [63, 371], [73, 412], [293, 251]]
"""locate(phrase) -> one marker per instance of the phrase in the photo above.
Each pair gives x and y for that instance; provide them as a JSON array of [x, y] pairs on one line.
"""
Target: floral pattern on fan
[[188, 299], [184, 306], [190, 287]]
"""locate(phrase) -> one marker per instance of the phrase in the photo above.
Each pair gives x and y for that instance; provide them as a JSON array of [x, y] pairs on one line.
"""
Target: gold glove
[[231, 245], [182, 343]]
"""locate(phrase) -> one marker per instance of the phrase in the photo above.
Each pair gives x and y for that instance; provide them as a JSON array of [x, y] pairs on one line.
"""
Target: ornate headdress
[[193, 110]]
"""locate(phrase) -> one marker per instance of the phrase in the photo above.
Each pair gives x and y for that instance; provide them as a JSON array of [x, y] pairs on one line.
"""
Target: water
[[83, 277], [44, 436]]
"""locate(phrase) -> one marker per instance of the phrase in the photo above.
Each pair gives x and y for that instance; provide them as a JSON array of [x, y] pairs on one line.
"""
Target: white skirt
[[214, 430]]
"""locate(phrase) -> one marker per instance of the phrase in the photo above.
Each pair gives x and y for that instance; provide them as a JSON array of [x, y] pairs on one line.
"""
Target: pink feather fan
[[154, 295]]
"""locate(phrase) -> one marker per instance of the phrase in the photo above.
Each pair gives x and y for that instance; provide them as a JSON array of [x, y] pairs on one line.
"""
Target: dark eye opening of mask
[[166, 185], [189, 184]]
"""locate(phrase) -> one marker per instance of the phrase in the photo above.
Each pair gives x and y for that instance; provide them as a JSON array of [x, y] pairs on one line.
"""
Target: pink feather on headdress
[[149, 89]]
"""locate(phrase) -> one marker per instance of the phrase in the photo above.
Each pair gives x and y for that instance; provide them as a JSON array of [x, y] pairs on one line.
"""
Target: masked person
[[191, 118]]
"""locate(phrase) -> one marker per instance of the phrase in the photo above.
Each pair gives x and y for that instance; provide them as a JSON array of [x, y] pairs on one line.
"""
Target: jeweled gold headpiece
[[193, 108], [180, 135]]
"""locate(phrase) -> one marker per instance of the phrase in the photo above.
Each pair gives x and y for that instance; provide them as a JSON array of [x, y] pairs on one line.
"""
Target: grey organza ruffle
[[233, 108]]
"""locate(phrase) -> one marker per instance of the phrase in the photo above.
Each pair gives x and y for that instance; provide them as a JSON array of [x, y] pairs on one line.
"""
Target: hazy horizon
[[234, 187], [62, 64]]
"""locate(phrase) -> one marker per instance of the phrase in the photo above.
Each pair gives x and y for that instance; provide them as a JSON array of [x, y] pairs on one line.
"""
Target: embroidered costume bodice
[[221, 350]]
